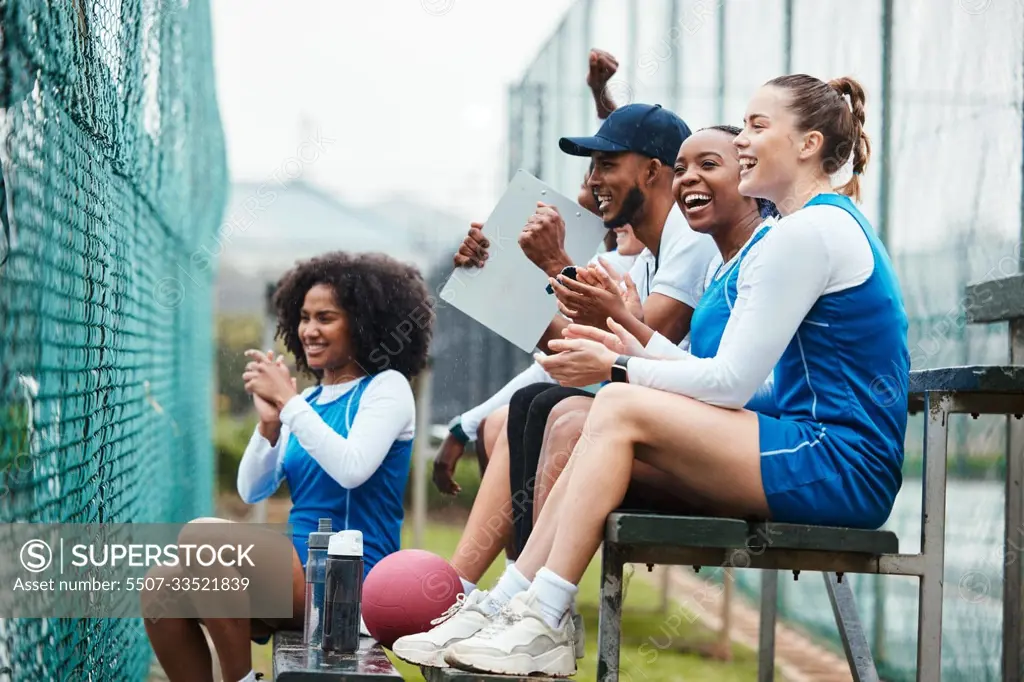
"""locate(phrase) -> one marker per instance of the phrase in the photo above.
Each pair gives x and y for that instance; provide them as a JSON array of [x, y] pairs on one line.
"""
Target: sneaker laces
[[505, 617], [452, 610]]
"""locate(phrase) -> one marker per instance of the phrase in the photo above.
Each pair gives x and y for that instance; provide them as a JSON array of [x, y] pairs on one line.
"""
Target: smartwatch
[[568, 271], [620, 372]]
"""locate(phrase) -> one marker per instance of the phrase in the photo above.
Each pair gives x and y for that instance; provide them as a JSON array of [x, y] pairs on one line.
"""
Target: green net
[[114, 177]]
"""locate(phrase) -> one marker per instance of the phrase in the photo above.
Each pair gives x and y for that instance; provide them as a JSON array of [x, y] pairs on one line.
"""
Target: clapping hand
[[608, 278], [270, 383], [587, 354], [578, 362], [618, 340], [591, 298]]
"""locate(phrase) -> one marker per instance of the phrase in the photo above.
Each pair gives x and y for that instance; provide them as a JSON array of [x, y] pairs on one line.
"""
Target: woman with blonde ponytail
[[817, 308]]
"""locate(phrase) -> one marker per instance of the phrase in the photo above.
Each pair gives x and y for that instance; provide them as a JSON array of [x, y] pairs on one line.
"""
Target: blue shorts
[[301, 545], [827, 476]]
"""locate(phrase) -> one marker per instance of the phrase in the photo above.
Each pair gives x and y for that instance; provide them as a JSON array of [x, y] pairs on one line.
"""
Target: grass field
[[656, 646]]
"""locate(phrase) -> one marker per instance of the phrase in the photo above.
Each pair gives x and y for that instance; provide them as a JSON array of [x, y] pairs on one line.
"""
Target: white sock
[[554, 595], [511, 583], [509, 562], [467, 587], [251, 677]]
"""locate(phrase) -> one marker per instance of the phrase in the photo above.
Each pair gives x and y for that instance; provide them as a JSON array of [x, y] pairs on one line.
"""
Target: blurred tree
[[235, 335]]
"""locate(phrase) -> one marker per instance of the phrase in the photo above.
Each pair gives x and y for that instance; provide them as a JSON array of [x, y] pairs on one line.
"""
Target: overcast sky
[[408, 95]]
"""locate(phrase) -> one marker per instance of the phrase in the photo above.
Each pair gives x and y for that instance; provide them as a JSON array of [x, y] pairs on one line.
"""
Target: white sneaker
[[579, 642], [462, 620], [518, 642]]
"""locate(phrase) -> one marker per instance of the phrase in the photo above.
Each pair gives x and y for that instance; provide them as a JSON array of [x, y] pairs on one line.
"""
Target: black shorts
[[528, 412]]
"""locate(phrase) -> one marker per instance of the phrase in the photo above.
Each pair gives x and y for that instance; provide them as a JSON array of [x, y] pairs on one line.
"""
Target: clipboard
[[509, 294]]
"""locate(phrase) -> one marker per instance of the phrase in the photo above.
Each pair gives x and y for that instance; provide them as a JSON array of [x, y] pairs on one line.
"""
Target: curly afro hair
[[390, 311]]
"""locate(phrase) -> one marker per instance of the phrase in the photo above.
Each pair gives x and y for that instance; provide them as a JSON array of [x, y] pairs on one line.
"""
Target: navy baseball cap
[[647, 129]]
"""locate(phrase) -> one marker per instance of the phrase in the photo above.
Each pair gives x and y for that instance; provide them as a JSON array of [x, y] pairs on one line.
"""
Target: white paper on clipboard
[[508, 295]]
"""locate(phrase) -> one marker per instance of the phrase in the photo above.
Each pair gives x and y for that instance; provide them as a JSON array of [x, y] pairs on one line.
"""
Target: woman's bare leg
[[489, 526], [648, 486], [677, 435], [490, 429], [182, 649], [560, 440]]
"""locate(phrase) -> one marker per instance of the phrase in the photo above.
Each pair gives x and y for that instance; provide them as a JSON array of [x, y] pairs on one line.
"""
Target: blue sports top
[[712, 313], [848, 365], [375, 507]]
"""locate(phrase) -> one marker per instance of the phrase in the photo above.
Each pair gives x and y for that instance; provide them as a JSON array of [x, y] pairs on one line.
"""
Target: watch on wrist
[[568, 271], [620, 369]]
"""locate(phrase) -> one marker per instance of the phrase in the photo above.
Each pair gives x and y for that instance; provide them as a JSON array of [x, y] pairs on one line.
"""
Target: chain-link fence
[[113, 178]]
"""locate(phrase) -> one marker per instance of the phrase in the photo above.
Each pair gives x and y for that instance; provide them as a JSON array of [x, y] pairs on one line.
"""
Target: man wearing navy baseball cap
[[647, 129], [633, 156], [634, 153]]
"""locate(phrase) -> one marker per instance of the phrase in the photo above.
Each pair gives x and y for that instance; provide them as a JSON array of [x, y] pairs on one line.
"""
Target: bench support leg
[[851, 632], [609, 621], [766, 632], [1013, 580], [933, 531], [1013, 546]]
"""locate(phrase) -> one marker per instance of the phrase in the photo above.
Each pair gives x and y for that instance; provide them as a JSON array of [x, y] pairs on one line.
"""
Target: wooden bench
[[294, 662]]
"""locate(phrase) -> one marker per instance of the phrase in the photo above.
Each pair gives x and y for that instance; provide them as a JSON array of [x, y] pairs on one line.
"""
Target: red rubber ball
[[404, 591]]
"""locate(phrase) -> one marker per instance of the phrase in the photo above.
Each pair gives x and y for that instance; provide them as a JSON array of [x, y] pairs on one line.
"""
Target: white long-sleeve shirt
[[816, 251], [386, 414]]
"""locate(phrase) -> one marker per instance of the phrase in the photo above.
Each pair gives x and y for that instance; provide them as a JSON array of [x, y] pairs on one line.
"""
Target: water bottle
[[316, 566], [343, 592]]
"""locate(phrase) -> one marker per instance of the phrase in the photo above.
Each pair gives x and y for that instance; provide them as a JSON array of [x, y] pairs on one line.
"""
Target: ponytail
[[836, 110], [853, 96]]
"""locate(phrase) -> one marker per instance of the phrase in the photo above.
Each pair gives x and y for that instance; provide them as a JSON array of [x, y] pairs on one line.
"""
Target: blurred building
[[268, 227]]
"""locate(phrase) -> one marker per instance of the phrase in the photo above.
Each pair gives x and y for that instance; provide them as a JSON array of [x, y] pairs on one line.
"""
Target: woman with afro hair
[[360, 324]]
